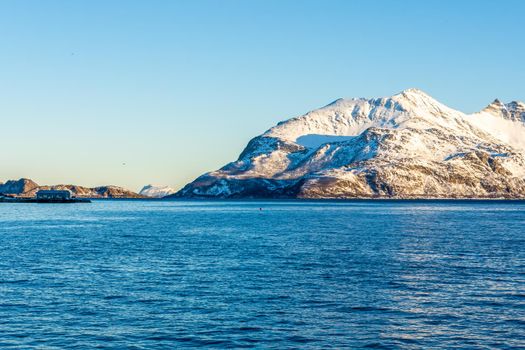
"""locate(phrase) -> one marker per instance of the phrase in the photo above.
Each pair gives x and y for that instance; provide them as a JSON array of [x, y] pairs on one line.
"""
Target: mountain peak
[[417, 98], [514, 110], [414, 91], [414, 94]]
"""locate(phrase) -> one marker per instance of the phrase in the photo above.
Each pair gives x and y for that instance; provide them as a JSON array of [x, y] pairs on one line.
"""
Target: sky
[[136, 92]]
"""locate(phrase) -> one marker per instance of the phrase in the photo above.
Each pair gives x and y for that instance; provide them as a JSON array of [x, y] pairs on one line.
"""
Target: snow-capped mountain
[[405, 146], [156, 191]]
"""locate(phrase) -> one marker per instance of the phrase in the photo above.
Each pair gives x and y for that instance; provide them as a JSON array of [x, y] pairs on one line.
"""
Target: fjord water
[[162, 275]]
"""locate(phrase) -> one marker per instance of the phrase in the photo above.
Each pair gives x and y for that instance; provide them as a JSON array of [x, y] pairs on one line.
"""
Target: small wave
[[300, 339], [362, 309], [14, 281], [376, 346]]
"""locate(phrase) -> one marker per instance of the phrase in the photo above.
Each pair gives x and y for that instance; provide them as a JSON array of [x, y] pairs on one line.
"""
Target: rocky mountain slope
[[405, 146], [156, 191], [17, 186], [28, 188]]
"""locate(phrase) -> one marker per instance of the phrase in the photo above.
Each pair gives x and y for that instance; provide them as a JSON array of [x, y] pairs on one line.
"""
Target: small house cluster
[[54, 195]]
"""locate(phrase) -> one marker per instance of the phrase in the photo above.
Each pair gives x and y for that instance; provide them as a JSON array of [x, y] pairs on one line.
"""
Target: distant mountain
[[28, 188], [156, 191], [17, 186], [405, 146]]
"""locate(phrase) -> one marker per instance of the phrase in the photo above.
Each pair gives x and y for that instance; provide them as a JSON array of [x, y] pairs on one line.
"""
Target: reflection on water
[[139, 274]]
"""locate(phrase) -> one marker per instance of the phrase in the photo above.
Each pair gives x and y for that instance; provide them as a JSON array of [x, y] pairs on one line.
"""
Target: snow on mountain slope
[[506, 122], [156, 191], [405, 146]]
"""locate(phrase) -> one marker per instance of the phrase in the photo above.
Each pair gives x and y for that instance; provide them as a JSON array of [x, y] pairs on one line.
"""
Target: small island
[[45, 196], [27, 191]]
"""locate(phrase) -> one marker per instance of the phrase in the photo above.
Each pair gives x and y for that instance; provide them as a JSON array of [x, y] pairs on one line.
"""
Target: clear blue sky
[[177, 88]]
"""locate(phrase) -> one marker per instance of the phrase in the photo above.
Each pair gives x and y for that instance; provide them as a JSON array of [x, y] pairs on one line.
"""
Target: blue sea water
[[308, 275]]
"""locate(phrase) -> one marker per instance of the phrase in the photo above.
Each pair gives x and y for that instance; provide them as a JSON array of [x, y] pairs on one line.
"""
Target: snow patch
[[505, 130]]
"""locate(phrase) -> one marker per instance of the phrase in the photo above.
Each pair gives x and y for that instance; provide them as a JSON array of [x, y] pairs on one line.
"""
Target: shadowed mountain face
[[405, 146], [28, 188]]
